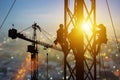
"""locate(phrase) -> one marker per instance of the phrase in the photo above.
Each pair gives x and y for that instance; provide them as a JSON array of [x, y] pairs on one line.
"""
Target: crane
[[13, 33], [86, 44], [32, 48], [74, 18]]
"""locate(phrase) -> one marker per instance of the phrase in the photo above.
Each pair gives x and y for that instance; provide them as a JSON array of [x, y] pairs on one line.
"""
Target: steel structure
[[86, 49], [31, 48], [34, 55], [87, 43]]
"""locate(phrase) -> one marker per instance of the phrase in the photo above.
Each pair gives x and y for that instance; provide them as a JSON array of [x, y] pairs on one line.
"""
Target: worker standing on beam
[[61, 39], [72, 41]]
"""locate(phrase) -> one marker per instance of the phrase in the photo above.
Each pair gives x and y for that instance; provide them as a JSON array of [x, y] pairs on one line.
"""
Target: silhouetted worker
[[60, 35], [102, 37], [61, 38], [71, 38], [74, 38]]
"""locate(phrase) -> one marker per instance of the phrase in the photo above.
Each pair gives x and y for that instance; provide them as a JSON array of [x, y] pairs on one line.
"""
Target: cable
[[112, 24], [25, 29], [46, 32], [41, 32], [113, 27], [7, 14], [47, 37]]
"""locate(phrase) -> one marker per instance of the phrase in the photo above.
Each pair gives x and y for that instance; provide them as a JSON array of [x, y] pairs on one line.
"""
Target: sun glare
[[86, 27]]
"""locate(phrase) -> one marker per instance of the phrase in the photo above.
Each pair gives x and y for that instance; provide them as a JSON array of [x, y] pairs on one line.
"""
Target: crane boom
[[13, 34]]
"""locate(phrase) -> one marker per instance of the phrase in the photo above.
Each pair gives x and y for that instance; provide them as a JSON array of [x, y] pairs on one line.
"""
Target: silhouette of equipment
[[14, 34], [31, 48]]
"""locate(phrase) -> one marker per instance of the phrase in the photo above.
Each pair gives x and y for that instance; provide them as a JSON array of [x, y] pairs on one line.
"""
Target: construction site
[[59, 40]]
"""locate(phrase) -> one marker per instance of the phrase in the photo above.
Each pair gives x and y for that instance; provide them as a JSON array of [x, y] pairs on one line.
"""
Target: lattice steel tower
[[76, 13]]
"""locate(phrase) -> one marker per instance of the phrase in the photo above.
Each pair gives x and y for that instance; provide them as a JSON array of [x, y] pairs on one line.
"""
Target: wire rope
[[7, 14], [112, 25]]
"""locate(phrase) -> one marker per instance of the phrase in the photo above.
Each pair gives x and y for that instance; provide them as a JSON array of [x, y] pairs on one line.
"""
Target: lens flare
[[86, 27], [24, 68]]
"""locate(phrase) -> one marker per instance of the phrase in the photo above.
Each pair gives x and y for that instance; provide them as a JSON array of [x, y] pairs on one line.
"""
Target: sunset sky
[[49, 13]]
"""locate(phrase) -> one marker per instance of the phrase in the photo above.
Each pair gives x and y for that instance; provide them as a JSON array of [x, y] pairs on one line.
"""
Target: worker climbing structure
[[72, 39], [78, 41]]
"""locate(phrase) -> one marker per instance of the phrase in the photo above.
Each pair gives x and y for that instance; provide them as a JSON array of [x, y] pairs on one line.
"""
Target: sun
[[86, 27]]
